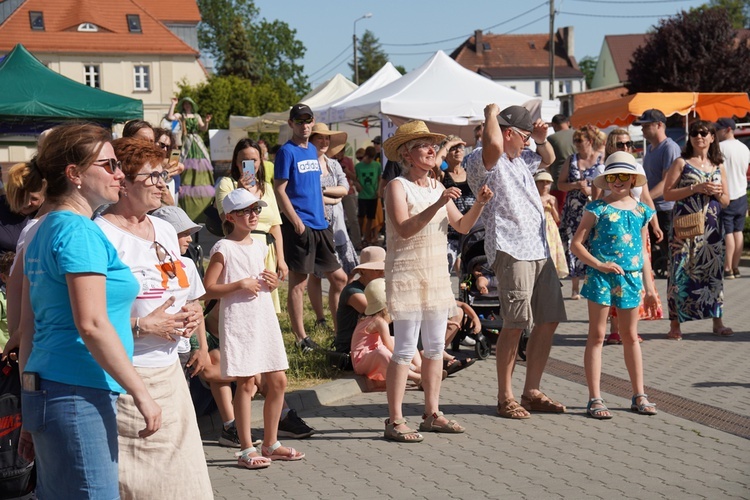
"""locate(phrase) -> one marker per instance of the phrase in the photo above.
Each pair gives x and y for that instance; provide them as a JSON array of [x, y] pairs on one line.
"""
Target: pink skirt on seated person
[[369, 356]]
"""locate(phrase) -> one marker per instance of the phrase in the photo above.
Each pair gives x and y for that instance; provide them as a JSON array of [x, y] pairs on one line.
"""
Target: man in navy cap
[[736, 161], [660, 153], [308, 239]]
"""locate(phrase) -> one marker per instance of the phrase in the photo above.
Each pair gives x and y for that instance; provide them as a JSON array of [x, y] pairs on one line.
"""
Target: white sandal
[[292, 456], [248, 462]]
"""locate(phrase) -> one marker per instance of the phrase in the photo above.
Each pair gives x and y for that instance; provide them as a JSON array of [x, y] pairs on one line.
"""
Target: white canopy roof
[[385, 75], [439, 91], [319, 98]]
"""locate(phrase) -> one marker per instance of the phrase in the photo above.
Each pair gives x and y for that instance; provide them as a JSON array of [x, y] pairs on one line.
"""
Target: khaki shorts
[[530, 292]]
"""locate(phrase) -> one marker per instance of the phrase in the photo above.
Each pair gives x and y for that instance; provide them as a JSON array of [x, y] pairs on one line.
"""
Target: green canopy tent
[[33, 98]]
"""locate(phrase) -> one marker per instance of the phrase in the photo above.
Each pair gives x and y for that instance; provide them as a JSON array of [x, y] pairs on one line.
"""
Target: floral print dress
[[695, 286]]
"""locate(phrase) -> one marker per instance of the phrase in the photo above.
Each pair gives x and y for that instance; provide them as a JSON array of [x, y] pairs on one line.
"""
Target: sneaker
[[230, 439], [468, 342], [307, 345], [292, 426], [728, 275]]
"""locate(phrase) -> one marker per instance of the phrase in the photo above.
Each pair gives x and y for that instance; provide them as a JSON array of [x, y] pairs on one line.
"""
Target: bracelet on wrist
[[541, 143]]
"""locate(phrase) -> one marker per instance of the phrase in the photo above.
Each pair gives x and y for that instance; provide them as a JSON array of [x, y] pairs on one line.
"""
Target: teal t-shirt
[[368, 175], [616, 236], [67, 243]]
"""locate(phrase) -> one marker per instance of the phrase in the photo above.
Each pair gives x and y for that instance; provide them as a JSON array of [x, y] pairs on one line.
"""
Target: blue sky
[[405, 28]]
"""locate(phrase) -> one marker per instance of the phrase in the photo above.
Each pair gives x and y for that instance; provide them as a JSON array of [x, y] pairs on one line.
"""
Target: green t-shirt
[[368, 175]]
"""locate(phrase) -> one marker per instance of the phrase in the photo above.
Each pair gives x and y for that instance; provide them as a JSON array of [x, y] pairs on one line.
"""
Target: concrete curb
[[301, 400]]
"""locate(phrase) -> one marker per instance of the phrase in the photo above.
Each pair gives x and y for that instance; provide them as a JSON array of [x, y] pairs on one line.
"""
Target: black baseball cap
[[300, 109], [723, 123], [377, 140], [650, 116], [516, 116]]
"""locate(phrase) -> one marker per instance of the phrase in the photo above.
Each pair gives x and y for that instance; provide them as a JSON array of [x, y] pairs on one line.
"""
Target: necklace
[[134, 229]]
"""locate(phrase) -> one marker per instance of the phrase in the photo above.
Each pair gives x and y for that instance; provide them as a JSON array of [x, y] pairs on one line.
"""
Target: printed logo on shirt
[[305, 166]]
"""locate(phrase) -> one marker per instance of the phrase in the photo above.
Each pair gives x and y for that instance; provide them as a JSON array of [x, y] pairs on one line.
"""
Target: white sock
[[228, 424]]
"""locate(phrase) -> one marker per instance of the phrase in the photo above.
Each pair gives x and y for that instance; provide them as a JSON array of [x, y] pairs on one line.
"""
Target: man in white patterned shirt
[[516, 247]]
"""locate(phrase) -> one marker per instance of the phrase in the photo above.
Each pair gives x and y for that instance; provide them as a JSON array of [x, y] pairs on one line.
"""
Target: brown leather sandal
[[541, 404], [511, 409]]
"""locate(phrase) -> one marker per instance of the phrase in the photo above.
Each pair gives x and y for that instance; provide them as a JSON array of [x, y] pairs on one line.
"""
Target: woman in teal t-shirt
[[80, 358]]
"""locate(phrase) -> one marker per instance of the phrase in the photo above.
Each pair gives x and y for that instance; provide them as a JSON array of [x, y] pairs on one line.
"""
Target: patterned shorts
[[610, 289]]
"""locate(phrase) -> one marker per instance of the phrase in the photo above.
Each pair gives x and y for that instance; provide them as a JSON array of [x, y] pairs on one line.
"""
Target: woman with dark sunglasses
[[166, 142], [697, 183], [165, 310], [75, 313], [619, 140]]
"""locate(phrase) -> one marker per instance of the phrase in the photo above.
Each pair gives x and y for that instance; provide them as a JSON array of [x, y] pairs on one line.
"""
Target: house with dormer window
[[133, 48]]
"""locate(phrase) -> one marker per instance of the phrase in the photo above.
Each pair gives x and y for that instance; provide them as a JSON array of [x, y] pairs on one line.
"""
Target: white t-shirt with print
[[156, 286]]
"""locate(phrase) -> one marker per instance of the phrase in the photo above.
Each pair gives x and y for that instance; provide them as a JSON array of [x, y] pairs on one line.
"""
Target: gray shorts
[[529, 291]]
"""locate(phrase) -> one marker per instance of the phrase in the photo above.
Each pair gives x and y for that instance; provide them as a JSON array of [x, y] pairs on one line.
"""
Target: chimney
[[479, 47], [568, 41]]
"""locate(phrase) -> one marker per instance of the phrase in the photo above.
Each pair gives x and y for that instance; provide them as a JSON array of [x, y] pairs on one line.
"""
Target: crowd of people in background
[[92, 224]]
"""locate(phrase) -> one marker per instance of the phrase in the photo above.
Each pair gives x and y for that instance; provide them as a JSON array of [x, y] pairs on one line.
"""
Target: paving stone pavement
[[547, 456]]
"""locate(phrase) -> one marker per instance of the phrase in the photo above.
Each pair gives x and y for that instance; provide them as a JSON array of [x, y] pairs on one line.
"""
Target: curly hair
[[589, 132], [714, 152], [21, 184], [76, 144], [135, 152]]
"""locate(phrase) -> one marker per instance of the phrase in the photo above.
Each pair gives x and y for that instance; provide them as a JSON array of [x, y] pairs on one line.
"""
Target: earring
[[78, 186]]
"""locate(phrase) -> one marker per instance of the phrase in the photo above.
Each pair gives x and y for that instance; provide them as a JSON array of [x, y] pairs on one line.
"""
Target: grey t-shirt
[[656, 163]]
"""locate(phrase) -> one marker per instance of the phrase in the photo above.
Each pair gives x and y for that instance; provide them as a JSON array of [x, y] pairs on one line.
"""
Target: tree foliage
[[587, 66], [371, 56], [694, 51], [738, 10], [231, 95], [238, 59], [273, 47]]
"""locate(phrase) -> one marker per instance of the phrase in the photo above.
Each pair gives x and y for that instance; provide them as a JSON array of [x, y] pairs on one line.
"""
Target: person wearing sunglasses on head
[[619, 140], [660, 153], [697, 184], [76, 337], [165, 310], [308, 238]]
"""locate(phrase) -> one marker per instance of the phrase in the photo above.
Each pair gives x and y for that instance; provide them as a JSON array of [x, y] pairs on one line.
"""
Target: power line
[[330, 62], [619, 3], [615, 16], [545, 16]]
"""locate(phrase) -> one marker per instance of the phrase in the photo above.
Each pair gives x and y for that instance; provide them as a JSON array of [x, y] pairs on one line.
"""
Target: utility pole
[[552, 50], [354, 44]]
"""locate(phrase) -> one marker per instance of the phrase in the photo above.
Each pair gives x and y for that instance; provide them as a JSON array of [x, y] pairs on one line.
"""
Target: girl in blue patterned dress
[[616, 230]]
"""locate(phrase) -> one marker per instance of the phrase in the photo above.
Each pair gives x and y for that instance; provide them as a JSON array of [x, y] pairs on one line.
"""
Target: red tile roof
[[621, 48], [181, 11], [61, 20], [508, 53]]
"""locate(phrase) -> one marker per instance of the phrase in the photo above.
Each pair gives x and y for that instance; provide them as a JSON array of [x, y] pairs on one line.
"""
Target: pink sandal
[[248, 462], [292, 456]]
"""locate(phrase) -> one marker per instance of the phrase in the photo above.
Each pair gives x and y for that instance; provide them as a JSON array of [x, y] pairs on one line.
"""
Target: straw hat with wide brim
[[620, 163], [338, 139], [183, 100], [415, 129], [375, 295]]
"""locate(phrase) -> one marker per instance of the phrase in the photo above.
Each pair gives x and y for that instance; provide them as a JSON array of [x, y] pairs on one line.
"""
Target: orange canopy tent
[[623, 111]]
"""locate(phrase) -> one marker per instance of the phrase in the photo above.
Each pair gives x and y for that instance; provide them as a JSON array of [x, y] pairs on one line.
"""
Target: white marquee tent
[[385, 75]]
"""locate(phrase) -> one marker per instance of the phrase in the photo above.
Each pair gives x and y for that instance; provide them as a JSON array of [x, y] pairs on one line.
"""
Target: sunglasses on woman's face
[[163, 145], [610, 178], [155, 176], [109, 164], [249, 211], [457, 147], [624, 145], [702, 133]]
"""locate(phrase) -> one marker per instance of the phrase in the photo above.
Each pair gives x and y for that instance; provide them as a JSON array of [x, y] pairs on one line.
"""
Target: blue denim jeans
[[74, 430]]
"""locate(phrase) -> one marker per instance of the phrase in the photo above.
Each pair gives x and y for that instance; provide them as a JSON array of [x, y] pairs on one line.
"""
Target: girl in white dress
[[251, 340]]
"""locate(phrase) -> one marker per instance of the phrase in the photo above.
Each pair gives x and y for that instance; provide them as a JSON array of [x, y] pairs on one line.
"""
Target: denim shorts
[[609, 289], [74, 429]]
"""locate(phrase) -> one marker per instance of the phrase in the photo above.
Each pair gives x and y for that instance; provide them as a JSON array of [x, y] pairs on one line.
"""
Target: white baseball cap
[[239, 199]]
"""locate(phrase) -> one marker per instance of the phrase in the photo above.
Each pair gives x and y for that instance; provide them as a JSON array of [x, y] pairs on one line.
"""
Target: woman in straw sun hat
[[418, 290]]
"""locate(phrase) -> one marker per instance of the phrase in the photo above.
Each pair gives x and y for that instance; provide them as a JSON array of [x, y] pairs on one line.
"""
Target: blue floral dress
[[572, 211], [695, 286], [616, 237]]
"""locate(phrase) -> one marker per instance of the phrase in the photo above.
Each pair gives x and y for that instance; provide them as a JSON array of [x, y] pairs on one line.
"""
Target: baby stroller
[[487, 306]]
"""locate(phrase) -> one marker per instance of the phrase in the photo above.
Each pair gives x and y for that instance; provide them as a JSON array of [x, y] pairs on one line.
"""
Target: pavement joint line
[[694, 411]]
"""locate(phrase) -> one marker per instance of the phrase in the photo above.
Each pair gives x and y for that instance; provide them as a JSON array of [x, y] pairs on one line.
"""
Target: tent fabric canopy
[[31, 92], [439, 91], [385, 75], [623, 111]]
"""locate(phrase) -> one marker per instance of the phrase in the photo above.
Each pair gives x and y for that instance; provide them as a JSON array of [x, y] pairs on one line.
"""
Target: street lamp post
[[354, 43]]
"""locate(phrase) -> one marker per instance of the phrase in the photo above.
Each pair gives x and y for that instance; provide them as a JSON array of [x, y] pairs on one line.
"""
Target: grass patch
[[306, 370]]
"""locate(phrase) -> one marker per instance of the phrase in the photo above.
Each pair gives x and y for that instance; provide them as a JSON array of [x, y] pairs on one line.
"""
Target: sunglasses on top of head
[[702, 133], [109, 164]]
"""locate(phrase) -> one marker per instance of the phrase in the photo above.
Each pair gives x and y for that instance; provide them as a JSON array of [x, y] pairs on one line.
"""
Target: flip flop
[[674, 335], [724, 331]]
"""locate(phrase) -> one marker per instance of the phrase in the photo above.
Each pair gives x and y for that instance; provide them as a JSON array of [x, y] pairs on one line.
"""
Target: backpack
[[17, 476]]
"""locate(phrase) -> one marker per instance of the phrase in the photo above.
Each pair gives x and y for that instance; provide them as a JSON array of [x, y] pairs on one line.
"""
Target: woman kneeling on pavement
[[171, 464], [418, 285]]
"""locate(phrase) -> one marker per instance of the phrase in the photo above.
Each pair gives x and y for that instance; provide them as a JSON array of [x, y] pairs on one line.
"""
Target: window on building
[[537, 88], [142, 79], [560, 87], [88, 27], [134, 23], [91, 75], [37, 20], [568, 86]]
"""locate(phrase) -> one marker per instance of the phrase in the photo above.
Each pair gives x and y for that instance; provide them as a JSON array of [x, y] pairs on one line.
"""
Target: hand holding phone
[[248, 171]]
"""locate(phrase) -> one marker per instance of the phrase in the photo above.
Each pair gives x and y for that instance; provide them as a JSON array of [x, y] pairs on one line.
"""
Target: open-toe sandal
[[291, 456], [452, 365], [257, 462], [450, 427], [511, 409], [393, 434], [598, 412], [541, 404], [723, 331], [643, 408], [674, 335]]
